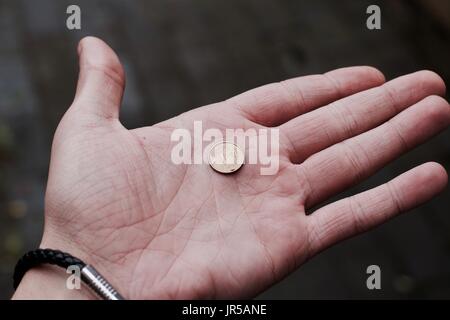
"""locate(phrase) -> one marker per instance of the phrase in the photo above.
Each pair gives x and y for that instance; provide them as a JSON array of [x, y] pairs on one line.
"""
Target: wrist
[[49, 282]]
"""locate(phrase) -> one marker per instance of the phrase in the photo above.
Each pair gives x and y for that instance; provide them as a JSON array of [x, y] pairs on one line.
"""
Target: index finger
[[276, 103]]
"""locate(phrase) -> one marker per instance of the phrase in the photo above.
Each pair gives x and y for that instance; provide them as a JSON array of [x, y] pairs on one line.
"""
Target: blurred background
[[182, 54]]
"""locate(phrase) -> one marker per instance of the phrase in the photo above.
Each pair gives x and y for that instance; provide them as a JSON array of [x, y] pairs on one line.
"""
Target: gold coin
[[226, 157]]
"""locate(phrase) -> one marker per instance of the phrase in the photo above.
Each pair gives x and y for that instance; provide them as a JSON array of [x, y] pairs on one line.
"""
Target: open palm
[[160, 230]]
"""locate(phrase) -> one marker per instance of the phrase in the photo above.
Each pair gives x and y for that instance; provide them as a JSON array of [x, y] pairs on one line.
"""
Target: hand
[[160, 230]]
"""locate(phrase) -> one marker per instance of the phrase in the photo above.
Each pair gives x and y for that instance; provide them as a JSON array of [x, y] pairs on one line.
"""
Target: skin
[[157, 230]]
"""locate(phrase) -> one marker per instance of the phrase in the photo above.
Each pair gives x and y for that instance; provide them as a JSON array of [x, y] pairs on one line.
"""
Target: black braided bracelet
[[36, 257], [89, 275]]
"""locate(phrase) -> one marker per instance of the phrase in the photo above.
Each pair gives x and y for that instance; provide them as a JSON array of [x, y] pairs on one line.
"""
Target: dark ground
[[183, 54]]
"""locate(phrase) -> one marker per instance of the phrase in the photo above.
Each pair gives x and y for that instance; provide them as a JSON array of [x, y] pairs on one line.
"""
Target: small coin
[[226, 157]]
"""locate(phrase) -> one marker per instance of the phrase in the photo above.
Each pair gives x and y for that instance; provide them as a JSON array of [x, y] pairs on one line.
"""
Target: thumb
[[101, 80]]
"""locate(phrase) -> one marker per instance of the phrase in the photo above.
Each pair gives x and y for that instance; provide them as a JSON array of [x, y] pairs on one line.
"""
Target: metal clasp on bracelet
[[91, 277]]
